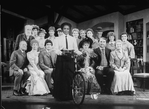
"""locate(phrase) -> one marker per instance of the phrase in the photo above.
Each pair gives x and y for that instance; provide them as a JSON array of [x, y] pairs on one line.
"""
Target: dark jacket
[[18, 60], [22, 37], [98, 52], [47, 60]]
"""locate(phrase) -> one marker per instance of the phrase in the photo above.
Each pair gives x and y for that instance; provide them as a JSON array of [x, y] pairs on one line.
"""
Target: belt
[[67, 51]]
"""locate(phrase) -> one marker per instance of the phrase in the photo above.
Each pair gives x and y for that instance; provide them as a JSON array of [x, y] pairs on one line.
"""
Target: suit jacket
[[98, 52], [115, 61], [23, 37], [18, 60], [47, 60]]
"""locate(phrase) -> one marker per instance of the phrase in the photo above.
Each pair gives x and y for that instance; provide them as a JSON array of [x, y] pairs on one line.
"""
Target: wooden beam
[[62, 12], [15, 14], [79, 11], [94, 8], [58, 19]]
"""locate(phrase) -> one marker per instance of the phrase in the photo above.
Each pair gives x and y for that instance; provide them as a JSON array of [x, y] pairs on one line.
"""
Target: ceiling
[[76, 13]]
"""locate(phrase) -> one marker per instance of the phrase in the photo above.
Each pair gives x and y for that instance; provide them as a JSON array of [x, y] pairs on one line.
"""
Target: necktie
[[103, 58], [103, 51], [66, 42]]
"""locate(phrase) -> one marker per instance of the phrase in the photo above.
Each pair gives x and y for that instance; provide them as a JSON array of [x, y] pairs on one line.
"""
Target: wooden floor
[[140, 98]]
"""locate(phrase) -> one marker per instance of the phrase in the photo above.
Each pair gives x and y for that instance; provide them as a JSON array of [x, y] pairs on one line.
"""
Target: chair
[[5, 73], [142, 75]]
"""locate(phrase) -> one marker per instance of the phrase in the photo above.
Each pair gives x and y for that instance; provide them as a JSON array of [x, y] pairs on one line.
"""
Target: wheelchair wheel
[[78, 88]]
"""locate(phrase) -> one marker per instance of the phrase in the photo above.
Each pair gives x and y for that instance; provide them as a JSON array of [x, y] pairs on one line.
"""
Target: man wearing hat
[[99, 32], [47, 59]]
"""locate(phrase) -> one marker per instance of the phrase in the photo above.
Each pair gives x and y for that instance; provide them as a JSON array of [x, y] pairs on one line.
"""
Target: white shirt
[[61, 43]]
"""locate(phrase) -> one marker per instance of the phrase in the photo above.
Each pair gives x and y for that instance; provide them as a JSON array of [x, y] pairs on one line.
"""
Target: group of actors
[[43, 66]]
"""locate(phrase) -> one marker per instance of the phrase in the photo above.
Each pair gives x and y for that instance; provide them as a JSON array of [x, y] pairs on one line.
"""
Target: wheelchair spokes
[[78, 88]]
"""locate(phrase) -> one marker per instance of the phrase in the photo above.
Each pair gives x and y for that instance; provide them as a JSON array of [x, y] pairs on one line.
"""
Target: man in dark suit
[[18, 69], [26, 36], [47, 60], [103, 72]]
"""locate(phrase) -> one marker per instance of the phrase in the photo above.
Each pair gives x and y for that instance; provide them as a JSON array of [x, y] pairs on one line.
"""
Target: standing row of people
[[105, 64]]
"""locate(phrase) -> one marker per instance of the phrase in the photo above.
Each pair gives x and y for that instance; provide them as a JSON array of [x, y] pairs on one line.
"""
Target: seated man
[[18, 68], [102, 66], [47, 59]]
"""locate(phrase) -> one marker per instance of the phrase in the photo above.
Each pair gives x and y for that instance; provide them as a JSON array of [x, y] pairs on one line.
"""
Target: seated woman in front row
[[122, 81], [37, 84], [86, 65]]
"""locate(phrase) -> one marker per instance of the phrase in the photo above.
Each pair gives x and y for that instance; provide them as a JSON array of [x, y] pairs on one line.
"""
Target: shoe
[[103, 91], [16, 93], [23, 91], [120, 93], [108, 91], [129, 93], [51, 90]]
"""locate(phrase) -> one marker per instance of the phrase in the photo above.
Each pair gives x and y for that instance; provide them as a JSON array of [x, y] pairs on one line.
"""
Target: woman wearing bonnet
[[86, 65]]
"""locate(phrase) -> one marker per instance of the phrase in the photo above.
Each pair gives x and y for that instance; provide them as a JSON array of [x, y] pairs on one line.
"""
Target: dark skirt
[[63, 77]]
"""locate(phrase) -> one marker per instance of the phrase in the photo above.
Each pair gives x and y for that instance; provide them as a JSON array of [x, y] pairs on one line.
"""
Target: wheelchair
[[78, 82]]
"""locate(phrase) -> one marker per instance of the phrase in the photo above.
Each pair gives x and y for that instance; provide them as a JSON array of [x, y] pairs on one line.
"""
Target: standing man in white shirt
[[65, 65]]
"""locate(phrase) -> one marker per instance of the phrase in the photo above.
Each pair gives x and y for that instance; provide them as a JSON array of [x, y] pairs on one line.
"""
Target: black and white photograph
[[74, 56]]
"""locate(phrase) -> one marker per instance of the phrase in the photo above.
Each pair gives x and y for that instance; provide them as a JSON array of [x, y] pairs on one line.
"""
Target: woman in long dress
[[86, 65], [122, 81], [37, 84]]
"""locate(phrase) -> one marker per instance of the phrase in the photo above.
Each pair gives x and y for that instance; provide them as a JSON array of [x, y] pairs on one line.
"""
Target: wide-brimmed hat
[[42, 31], [35, 27], [86, 40], [59, 29]]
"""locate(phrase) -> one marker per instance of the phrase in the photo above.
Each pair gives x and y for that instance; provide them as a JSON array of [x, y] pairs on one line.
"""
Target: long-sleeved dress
[[84, 65], [37, 84], [122, 80]]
